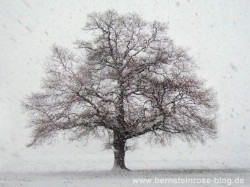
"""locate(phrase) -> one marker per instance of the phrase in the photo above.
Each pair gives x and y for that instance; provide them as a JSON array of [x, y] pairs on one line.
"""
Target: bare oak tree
[[131, 80]]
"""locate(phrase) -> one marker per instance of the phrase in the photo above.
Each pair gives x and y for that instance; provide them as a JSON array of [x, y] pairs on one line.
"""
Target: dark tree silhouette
[[131, 80]]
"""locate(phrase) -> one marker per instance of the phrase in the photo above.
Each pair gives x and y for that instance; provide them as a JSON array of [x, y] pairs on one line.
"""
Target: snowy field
[[221, 177]]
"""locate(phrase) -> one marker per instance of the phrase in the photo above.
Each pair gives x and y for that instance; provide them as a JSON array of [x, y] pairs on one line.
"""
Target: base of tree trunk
[[119, 169]]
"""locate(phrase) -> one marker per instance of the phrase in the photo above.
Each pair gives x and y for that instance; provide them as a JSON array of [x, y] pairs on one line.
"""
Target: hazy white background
[[217, 34]]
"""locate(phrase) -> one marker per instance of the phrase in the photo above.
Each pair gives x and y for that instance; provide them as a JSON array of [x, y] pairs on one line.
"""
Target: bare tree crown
[[131, 81]]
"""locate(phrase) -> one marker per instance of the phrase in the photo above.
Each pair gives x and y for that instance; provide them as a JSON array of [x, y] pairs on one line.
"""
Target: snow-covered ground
[[133, 178]]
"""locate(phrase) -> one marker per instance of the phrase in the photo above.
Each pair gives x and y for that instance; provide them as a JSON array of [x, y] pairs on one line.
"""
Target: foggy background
[[217, 34]]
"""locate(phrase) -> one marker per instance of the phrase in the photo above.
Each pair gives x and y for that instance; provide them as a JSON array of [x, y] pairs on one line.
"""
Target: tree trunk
[[119, 152]]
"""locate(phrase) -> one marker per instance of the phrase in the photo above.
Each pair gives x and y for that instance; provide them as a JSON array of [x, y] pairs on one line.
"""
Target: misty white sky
[[217, 34]]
